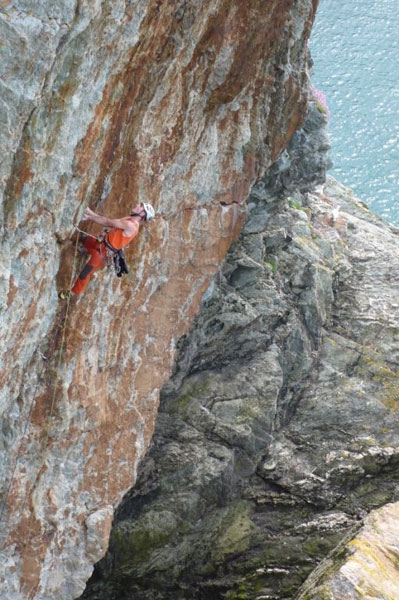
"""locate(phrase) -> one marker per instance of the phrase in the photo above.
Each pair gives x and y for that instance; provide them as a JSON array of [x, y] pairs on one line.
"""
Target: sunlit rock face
[[364, 566], [183, 104]]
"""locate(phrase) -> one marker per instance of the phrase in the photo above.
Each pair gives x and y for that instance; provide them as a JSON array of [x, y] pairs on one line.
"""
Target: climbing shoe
[[64, 294]]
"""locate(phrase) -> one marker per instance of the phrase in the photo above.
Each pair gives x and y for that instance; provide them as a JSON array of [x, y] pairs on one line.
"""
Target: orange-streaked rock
[[182, 104]]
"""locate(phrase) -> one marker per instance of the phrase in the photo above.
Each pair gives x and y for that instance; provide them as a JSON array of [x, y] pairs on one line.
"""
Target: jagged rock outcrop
[[105, 103], [363, 567], [278, 432]]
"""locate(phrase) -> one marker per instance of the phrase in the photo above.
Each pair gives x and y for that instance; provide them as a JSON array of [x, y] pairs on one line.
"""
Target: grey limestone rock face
[[278, 432]]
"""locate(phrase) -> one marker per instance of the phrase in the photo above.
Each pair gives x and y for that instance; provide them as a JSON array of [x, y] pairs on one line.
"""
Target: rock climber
[[121, 233]]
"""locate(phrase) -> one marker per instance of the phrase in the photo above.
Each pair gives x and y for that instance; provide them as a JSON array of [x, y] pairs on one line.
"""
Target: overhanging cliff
[[181, 103], [278, 432]]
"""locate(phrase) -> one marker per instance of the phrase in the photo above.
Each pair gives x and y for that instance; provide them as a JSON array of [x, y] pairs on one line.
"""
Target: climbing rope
[[95, 237], [56, 379]]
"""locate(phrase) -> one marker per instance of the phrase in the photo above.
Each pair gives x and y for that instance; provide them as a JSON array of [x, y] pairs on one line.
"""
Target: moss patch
[[388, 379], [180, 404], [133, 545], [272, 264], [235, 532]]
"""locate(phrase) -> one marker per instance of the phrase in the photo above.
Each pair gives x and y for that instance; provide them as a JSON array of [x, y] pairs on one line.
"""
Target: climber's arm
[[126, 225]]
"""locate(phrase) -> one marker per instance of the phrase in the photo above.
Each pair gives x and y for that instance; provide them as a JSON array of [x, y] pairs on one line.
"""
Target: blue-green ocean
[[355, 48]]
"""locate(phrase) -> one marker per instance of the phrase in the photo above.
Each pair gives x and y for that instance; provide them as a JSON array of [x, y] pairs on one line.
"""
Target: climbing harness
[[112, 256]]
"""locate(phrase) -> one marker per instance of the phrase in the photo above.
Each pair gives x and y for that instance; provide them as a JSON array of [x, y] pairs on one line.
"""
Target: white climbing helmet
[[149, 211]]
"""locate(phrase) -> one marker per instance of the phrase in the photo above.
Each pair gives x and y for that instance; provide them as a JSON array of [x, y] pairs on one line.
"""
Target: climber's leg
[[95, 263]]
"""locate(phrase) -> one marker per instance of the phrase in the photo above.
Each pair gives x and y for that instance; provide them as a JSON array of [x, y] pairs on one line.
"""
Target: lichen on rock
[[365, 566]]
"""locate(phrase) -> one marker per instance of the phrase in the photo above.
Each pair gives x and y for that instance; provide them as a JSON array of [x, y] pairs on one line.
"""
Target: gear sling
[[118, 259]]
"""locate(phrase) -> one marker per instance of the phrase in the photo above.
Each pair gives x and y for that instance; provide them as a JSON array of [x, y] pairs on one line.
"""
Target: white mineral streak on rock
[[98, 527]]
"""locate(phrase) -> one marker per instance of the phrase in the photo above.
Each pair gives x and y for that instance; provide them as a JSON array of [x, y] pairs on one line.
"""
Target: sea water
[[355, 48]]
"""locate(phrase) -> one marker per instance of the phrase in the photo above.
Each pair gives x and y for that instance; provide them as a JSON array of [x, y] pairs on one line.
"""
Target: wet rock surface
[[277, 433]]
